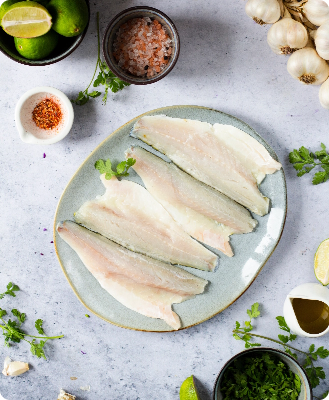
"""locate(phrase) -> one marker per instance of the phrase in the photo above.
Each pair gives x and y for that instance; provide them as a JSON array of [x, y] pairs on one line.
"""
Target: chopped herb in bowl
[[259, 375]]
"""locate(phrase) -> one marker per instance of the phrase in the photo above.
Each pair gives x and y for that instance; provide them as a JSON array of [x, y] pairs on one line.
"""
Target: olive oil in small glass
[[312, 315]]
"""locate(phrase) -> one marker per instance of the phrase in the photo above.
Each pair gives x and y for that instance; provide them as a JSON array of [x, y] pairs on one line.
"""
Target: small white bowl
[[28, 130]]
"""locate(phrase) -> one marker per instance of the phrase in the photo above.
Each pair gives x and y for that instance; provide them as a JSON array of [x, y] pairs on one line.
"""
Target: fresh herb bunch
[[304, 161], [262, 376], [121, 170], [12, 329], [243, 332], [105, 77]]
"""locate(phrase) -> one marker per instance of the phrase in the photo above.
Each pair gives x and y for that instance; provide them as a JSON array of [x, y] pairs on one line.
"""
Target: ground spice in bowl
[[142, 47], [47, 114]]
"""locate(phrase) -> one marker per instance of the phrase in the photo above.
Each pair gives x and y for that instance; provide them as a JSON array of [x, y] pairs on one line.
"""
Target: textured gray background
[[226, 64]]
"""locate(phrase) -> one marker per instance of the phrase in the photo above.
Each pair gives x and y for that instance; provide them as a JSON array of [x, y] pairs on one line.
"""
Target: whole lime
[[37, 48], [70, 17]]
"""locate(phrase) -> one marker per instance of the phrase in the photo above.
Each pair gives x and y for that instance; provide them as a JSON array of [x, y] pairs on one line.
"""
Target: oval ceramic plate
[[233, 275]]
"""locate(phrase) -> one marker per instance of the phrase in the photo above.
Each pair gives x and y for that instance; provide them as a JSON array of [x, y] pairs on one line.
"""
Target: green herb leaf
[[104, 78], [11, 289], [304, 162], [253, 313], [322, 353], [20, 316], [38, 325], [121, 170]]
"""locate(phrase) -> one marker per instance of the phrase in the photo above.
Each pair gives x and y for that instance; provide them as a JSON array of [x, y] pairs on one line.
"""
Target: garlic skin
[[316, 11], [263, 11], [14, 368], [324, 94], [308, 67], [65, 396], [287, 36], [321, 40]]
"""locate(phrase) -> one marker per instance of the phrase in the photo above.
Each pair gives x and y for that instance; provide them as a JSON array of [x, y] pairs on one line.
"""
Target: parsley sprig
[[304, 161], [121, 169], [243, 332], [12, 331], [105, 77]]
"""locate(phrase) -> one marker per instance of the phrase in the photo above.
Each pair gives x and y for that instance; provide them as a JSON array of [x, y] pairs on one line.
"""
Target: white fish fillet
[[140, 283], [194, 147], [250, 152], [201, 211], [129, 215]]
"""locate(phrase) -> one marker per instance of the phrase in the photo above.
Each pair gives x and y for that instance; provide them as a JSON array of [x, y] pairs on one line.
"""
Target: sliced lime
[[321, 263], [26, 19], [188, 390]]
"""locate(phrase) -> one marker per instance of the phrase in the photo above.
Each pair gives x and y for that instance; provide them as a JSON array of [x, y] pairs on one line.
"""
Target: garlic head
[[14, 368], [321, 40], [324, 94], [316, 11], [308, 67], [287, 36], [263, 11]]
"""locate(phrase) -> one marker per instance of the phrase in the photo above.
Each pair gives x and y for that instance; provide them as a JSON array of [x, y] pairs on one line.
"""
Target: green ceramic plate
[[232, 277]]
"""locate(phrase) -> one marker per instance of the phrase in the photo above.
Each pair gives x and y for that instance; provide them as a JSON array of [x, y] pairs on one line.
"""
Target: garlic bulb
[[316, 11], [321, 40], [263, 11], [308, 67], [287, 36], [14, 368], [324, 94]]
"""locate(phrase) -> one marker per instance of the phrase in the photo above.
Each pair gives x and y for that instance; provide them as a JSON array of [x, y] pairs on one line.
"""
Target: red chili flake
[[51, 242], [41, 254], [47, 115], [44, 229], [44, 155]]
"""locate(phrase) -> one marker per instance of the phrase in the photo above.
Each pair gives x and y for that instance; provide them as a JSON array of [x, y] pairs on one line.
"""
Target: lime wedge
[[26, 19], [321, 263], [188, 390]]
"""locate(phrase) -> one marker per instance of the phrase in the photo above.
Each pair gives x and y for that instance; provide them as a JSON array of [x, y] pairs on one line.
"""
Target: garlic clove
[[65, 396], [14, 368], [263, 11], [324, 94], [287, 36], [321, 40], [308, 67], [316, 11]]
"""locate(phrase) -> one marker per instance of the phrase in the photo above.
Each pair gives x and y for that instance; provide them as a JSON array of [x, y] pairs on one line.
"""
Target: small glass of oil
[[312, 315]]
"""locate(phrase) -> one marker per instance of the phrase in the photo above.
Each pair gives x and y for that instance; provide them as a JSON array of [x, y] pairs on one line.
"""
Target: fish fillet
[[143, 284], [194, 147], [201, 211], [249, 151], [129, 215]]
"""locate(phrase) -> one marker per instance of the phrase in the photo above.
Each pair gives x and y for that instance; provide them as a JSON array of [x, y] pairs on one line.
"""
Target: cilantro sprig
[[105, 77], [304, 162], [121, 169], [12, 331], [11, 289], [243, 332]]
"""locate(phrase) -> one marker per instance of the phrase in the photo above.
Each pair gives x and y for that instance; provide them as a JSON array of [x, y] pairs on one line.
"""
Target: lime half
[[188, 390], [321, 263], [26, 19]]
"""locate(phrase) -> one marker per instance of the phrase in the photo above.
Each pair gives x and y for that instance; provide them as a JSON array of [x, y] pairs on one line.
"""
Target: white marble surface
[[225, 63]]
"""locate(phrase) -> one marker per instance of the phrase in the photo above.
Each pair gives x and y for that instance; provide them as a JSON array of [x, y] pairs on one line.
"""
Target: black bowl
[[64, 48]]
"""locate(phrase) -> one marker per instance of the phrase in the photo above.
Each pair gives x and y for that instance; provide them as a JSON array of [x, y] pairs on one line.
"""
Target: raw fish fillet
[[248, 150], [194, 147], [140, 283], [201, 211], [129, 215]]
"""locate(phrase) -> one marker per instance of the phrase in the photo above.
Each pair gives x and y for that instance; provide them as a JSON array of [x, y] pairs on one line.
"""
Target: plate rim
[[92, 153]]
